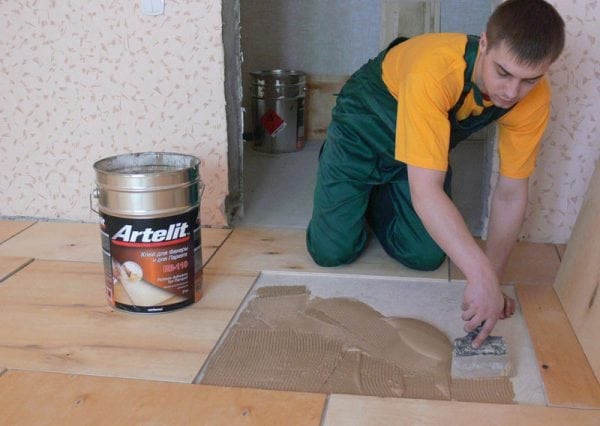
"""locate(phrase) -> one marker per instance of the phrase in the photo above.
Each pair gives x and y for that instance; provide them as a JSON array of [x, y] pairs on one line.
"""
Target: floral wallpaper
[[571, 144], [80, 81], [83, 80]]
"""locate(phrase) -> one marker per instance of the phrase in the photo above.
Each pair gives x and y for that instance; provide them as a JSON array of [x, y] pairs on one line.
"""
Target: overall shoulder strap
[[470, 57]]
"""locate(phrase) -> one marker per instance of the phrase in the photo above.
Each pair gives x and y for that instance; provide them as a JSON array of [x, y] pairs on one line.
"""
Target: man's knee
[[327, 252], [423, 256], [427, 261]]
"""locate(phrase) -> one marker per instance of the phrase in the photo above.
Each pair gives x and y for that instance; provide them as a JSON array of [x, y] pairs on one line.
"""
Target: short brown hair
[[532, 29]]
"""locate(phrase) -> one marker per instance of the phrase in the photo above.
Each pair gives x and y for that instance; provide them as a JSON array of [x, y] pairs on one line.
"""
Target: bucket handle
[[94, 193]]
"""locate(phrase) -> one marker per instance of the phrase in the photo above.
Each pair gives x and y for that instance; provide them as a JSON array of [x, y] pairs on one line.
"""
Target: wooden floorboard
[[249, 251], [80, 242], [528, 263], [30, 398], [55, 318], [9, 228], [568, 378], [351, 410], [9, 265]]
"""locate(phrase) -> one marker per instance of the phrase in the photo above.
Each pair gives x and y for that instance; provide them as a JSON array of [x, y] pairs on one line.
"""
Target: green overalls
[[359, 178]]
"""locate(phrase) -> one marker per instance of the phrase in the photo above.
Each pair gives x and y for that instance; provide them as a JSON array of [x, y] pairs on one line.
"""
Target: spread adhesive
[[149, 206]]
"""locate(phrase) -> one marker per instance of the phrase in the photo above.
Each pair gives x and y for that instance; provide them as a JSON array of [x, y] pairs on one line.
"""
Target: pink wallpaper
[[82, 80], [571, 144]]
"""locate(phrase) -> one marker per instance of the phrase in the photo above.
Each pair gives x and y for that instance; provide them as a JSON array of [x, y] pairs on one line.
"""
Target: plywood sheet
[[9, 265], [59, 399], [9, 228], [578, 280], [350, 410], [560, 249], [528, 263], [251, 250], [55, 318], [56, 241], [81, 242], [568, 377]]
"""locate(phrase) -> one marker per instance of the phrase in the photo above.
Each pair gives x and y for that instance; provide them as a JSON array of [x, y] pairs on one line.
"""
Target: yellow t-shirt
[[426, 76]]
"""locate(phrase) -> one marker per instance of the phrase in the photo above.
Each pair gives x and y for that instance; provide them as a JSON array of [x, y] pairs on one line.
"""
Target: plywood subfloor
[[10, 264], [251, 250], [58, 321], [528, 263], [9, 228], [30, 398], [350, 410], [80, 242], [55, 318], [568, 377]]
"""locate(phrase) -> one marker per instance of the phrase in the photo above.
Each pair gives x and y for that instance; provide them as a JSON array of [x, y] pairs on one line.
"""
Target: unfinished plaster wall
[[80, 81]]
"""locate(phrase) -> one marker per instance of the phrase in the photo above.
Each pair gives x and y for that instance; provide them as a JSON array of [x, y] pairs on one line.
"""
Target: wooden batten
[[320, 100], [578, 280]]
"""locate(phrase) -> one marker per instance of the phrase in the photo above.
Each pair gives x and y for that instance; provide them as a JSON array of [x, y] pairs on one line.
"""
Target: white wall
[[82, 80], [571, 144]]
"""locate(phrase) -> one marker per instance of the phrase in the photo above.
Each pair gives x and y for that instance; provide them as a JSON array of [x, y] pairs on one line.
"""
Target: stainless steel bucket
[[278, 111], [149, 206]]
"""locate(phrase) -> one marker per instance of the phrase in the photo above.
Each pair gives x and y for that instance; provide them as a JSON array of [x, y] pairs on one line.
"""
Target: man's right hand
[[483, 302]]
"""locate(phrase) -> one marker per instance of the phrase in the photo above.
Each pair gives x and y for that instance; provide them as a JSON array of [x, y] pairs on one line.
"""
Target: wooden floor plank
[[9, 228], [568, 377], [81, 242], [578, 280], [349, 410], [55, 317], [56, 241], [528, 263], [11, 264], [58, 399], [251, 250]]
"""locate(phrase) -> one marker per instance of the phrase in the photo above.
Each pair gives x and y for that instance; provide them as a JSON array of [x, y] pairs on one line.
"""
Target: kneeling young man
[[385, 158]]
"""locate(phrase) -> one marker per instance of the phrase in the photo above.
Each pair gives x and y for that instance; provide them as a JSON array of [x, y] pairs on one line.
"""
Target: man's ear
[[483, 42]]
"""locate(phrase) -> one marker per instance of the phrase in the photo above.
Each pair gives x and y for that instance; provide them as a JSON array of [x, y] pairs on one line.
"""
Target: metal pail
[[149, 206], [278, 111]]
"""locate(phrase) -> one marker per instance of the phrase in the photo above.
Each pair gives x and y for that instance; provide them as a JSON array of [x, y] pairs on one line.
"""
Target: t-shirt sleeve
[[520, 132], [422, 125]]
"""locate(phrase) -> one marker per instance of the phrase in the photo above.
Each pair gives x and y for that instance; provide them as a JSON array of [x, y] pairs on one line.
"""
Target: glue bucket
[[278, 110], [148, 204]]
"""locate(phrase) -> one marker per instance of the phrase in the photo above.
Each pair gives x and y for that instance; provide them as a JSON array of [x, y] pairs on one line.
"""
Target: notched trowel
[[489, 360]]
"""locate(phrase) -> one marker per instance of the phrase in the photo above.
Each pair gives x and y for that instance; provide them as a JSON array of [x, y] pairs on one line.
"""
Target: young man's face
[[502, 78]]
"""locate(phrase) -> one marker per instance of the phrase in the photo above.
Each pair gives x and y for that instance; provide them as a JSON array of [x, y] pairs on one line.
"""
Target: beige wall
[[82, 80], [571, 144]]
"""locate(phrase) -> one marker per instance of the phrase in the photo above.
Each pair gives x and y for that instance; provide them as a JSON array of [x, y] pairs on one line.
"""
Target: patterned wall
[[82, 80], [571, 144]]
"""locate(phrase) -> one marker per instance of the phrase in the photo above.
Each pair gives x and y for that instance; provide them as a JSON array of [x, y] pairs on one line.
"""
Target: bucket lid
[[146, 170], [278, 77]]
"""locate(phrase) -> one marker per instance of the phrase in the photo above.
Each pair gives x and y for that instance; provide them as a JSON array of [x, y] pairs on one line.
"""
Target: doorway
[[328, 40]]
